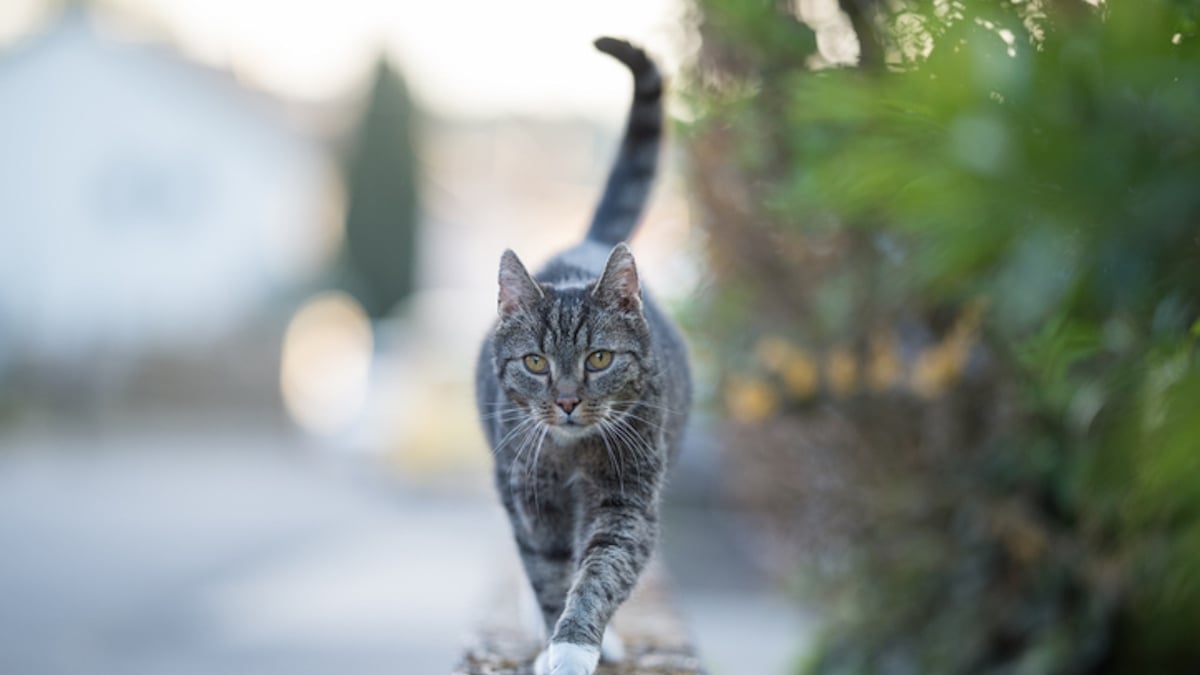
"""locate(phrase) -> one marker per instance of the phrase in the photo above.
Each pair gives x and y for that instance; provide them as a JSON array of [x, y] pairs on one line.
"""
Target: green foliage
[[1044, 158], [383, 210]]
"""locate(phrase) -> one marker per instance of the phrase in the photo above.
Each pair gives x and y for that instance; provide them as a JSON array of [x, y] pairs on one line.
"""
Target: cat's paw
[[564, 658], [612, 650]]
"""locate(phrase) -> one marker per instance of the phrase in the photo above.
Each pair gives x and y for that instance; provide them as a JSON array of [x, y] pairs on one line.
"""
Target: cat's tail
[[632, 173]]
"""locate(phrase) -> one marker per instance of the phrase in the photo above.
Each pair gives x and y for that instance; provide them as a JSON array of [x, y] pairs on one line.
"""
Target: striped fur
[[582, 486]]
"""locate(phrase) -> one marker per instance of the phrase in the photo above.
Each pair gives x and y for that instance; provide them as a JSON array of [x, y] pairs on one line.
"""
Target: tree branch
[[870, 48]]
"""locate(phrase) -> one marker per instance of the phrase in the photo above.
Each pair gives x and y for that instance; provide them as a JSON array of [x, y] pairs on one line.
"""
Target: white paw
[[612, 650], [564, 658]]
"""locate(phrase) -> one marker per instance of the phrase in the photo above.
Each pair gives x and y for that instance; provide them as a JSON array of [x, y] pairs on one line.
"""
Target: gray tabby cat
[[583, 390]]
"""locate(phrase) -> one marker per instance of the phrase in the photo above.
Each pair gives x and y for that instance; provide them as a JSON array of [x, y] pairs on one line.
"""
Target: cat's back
[[582, 263]]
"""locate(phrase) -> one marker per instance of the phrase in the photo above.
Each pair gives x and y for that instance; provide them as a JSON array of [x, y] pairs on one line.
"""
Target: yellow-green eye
[[536, 364], [599, 360]]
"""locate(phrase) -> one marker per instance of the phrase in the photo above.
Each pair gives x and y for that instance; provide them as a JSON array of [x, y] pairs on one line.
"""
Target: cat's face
[[573, 358]]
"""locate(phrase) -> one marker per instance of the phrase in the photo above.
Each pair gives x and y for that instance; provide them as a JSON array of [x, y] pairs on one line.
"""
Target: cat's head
[[573, 356]]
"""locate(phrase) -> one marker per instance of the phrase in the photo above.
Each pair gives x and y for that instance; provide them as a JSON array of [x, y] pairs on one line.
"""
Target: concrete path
[[148, 555]]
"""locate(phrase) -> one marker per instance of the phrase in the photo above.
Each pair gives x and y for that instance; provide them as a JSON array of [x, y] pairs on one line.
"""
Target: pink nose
[[567, 402]]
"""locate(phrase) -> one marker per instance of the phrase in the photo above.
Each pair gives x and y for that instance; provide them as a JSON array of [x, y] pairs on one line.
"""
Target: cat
[[583, 389]]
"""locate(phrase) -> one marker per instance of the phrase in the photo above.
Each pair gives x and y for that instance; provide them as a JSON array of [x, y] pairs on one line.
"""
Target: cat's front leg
[[548, 569], [612, 650], [616, 548], [562, 658]]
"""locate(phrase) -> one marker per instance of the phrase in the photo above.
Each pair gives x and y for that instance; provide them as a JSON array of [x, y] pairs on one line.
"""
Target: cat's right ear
[[517, 288]]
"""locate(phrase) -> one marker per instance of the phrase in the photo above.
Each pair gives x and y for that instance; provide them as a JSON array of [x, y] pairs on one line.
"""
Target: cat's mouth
[[570, 431], [572, 422], [570, 426]]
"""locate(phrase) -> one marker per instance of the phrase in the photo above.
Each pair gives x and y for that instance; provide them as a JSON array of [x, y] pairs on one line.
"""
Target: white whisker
[[637, 443], [647, 404], [612, 460], [511, 435], [537, 453]]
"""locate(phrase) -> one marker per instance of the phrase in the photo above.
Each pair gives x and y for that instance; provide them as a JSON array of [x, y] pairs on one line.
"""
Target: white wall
[[144, 201]]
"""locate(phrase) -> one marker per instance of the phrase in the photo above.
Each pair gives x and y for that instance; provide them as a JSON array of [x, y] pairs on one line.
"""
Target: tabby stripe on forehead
[[583, 322]]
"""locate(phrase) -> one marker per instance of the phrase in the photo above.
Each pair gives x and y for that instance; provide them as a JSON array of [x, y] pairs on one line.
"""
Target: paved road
[[241, 554]]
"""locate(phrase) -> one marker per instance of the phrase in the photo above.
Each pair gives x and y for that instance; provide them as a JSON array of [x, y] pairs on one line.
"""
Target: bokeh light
[[326, 363]]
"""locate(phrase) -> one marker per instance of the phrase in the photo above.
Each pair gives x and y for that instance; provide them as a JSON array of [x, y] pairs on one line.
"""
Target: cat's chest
[[558, 471], [570, 461], [549, 486]]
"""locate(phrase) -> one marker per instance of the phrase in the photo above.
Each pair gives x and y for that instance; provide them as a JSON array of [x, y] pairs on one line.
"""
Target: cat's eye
[[537, 364], [599, 360]]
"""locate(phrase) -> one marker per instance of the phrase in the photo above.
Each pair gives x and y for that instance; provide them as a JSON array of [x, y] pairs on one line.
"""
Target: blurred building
[[148, 204]]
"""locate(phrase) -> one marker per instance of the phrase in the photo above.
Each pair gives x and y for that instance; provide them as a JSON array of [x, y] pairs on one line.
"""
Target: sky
[[460, 57]]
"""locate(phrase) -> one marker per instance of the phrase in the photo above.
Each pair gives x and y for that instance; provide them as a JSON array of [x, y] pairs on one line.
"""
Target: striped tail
[[632, 174]]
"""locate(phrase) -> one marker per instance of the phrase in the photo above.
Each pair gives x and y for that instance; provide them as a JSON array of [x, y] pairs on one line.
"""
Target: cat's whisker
[[609, 427], [638, 455], [612, 460], [526, 442], [627, 414], [513, 434], [505, 404], [649, 419], [527, 435], [632, 445], [638, 443], [503, 415], [507, 436], [647, 404], [645, 420], [621, 434], [532, 469]]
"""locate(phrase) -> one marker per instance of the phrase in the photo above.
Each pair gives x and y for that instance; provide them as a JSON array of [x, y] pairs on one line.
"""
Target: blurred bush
[[956, 300]]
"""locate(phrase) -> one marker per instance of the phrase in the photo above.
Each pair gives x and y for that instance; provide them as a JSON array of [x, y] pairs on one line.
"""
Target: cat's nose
[[567, 402]]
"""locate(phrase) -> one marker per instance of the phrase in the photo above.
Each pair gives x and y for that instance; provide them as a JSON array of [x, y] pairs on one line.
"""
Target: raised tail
[[632, 173]]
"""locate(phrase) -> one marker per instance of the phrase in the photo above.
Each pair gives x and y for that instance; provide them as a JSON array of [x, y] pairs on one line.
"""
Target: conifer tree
[[383, 210]]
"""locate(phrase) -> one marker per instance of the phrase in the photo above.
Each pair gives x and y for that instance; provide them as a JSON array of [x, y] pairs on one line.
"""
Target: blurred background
[[937, 261], [250, 252]]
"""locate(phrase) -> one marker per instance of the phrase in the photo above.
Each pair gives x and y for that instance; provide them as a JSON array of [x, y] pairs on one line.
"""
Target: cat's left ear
[[517, 288], [619, 283]]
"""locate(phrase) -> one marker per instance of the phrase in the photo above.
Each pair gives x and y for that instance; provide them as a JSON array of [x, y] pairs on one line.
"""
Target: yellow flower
[[800, 376], [934, 371], [750, 400], [884, 369], [773, 353], [941, 366], [841, 371], [794, 366]]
